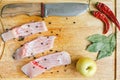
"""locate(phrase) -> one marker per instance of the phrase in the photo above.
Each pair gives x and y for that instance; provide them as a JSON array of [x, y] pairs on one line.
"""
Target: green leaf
[[95, 47], [103, 54], [109, 46], [112, 41], [96, 38], [110, 38], [102, 44]]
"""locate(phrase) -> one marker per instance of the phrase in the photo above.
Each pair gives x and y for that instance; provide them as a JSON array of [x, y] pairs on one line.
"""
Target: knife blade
[[44, 10]]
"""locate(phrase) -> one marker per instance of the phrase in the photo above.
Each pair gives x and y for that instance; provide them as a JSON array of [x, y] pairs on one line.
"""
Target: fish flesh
[[25, 30], [36, 46], [40, 65]]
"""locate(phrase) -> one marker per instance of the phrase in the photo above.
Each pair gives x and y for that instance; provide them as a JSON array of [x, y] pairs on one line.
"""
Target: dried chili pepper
[[108, 12], [103, 18]]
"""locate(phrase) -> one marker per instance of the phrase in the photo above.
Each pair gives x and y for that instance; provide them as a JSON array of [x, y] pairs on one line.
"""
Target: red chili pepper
[[103, 18], [108, 12]]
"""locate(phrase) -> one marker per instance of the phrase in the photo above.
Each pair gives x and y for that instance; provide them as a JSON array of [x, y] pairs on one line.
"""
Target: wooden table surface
[[72, 38]]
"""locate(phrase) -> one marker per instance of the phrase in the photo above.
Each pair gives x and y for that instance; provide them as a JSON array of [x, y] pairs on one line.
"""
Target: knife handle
[[42, 10], [22, 8]]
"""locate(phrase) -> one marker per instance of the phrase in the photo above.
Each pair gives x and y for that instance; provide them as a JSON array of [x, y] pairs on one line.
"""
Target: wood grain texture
[[118, 42], [1, 42], [71, 35]]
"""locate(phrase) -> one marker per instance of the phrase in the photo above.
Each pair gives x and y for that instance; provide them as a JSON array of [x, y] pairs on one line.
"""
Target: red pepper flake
[[36, 64], [41, 66]]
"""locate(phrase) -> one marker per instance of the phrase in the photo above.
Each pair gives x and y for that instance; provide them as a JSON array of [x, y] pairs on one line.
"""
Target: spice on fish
[[36, 26], [33, 67], [36, 63], [41, 43], [45, 59], [45, 67], [28, 25]]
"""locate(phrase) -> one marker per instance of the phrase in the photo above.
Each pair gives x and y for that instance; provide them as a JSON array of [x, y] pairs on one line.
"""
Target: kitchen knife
[[44, 10]]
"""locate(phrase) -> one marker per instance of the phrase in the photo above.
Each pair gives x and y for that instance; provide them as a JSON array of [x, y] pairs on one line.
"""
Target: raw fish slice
[[47, 62], [36, 46], [24, 30]]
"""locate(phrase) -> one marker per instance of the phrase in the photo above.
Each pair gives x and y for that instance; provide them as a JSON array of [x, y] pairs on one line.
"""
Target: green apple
[[86, 66]]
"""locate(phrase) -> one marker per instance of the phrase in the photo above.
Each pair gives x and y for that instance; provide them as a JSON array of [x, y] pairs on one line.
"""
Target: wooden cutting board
[[71, 35], [118, 43]]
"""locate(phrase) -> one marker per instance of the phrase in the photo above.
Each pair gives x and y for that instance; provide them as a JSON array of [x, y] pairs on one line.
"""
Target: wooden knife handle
[[22, 8], [42, 10]]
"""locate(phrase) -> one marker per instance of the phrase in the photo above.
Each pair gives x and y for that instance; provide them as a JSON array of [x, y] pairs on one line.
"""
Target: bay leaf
[[95, 47], [96, 38]]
